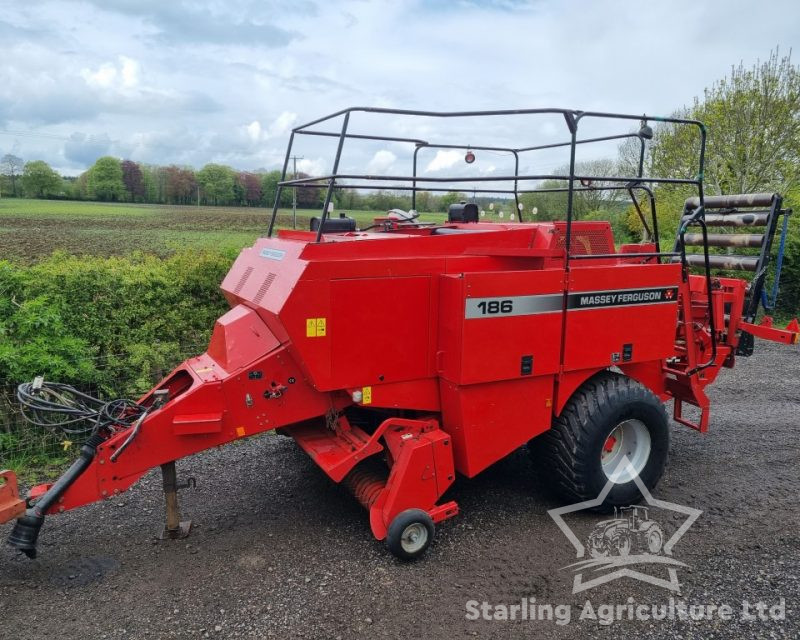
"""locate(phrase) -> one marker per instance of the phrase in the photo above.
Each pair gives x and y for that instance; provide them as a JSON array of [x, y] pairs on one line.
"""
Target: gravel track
[[279, 551]]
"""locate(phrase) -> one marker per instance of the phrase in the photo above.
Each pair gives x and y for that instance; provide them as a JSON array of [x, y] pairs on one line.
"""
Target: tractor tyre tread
[[562, 454]]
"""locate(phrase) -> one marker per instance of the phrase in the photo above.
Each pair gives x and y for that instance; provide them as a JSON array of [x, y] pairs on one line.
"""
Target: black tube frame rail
[[572, 119]]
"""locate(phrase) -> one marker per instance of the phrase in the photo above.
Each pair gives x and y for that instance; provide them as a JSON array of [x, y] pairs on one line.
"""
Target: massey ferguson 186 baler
[[404, 355]]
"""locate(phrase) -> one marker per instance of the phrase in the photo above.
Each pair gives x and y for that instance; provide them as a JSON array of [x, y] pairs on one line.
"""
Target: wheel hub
[[414, 537], [626, 451]]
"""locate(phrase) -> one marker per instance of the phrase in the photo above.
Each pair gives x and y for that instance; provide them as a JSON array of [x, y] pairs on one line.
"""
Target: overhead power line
[[34, 134]]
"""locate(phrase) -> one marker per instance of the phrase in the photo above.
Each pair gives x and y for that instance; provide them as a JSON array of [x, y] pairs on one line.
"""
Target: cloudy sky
[[174, 81]]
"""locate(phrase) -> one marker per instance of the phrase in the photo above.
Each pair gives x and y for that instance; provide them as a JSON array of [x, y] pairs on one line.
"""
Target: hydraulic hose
[[26, 529]]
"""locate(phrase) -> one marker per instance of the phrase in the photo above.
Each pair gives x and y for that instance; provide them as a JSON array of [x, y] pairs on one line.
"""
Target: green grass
[[32, 229]]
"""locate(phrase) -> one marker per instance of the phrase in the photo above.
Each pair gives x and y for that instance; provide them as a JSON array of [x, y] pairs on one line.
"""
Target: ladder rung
[[725, 239], [736, 220], [732, 201], [730, 263]]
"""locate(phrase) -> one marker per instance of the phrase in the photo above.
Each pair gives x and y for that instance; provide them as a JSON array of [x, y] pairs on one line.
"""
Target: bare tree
[[11, 166]]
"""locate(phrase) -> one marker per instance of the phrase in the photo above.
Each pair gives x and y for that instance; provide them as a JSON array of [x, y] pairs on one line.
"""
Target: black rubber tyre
[[410, 534], [568, 456]]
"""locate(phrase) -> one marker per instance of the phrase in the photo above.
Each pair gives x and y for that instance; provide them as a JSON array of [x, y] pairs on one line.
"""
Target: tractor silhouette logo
[[620, 546], [631, 531]]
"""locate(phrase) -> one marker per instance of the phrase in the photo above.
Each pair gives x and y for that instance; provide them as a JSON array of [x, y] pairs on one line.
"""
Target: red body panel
[[594, 335], [490, 420]]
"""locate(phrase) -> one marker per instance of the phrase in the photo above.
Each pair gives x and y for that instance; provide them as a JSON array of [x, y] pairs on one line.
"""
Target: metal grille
[[262, 290], [240, 285], [586, 243]]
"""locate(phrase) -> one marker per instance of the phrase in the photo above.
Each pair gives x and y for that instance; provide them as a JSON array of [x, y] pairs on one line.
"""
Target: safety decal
[[316, 328]]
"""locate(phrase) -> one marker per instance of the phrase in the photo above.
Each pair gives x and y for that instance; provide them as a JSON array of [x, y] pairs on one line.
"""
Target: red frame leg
[[422, 470]]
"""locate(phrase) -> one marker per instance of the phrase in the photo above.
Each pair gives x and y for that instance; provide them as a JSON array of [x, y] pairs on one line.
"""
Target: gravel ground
[[279, 551]]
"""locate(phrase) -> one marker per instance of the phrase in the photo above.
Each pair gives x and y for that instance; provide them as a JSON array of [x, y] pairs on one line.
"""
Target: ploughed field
[[30, 229]]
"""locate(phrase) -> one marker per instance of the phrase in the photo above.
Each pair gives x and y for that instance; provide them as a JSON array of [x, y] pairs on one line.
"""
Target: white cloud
[[102, 78], [311, 166], [254, 130], [129, 72], [124, 75], [282, 124], [381, 162], [444, 159], [279, 127]]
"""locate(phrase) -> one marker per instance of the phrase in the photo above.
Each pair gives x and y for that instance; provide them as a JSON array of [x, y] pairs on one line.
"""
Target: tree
[[216, 181], [383, 200], [251, 187], [598, 196], [425, 201], [552, 205], [549, 205], [79, 188], [105, 180], [155, 183], [269, 186], [753, 123], [309, 196], [348, 199], [133, 180], [181, 185], [39, 180], [451, 197], [11, 166]]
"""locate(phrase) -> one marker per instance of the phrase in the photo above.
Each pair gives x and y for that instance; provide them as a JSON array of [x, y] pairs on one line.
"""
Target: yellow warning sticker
[[366, 395], [240, 432], [316, 327]]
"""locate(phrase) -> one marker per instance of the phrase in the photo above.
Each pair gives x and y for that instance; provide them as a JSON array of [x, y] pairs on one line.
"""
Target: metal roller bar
[[725, 239], [729, 263], [732, 201], [737, 220]]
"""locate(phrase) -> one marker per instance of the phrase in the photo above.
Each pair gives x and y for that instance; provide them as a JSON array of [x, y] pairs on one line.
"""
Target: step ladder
[[735, 221], [734, 218]]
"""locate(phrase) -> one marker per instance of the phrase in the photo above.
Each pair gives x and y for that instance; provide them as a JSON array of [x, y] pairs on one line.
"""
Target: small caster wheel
[[410, 534]]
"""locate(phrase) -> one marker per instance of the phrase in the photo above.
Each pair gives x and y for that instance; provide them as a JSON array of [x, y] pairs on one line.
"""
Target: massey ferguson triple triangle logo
[[621, 546]]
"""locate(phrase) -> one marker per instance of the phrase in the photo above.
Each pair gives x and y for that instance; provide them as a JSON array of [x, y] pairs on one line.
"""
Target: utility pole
[[294, 191]]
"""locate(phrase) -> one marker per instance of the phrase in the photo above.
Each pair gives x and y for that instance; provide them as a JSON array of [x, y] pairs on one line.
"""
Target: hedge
[[107, 323]]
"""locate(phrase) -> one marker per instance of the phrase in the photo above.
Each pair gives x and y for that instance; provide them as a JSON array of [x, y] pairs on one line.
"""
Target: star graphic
[[579, 584]]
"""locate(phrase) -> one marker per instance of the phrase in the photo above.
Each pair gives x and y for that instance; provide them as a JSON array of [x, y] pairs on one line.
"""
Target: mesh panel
[[585, 242]]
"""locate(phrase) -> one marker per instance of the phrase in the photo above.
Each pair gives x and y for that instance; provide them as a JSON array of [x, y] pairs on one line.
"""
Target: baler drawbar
[[403, 355]]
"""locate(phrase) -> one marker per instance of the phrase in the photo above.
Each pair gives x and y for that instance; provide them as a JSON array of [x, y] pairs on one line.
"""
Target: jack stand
[[174, 528]]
